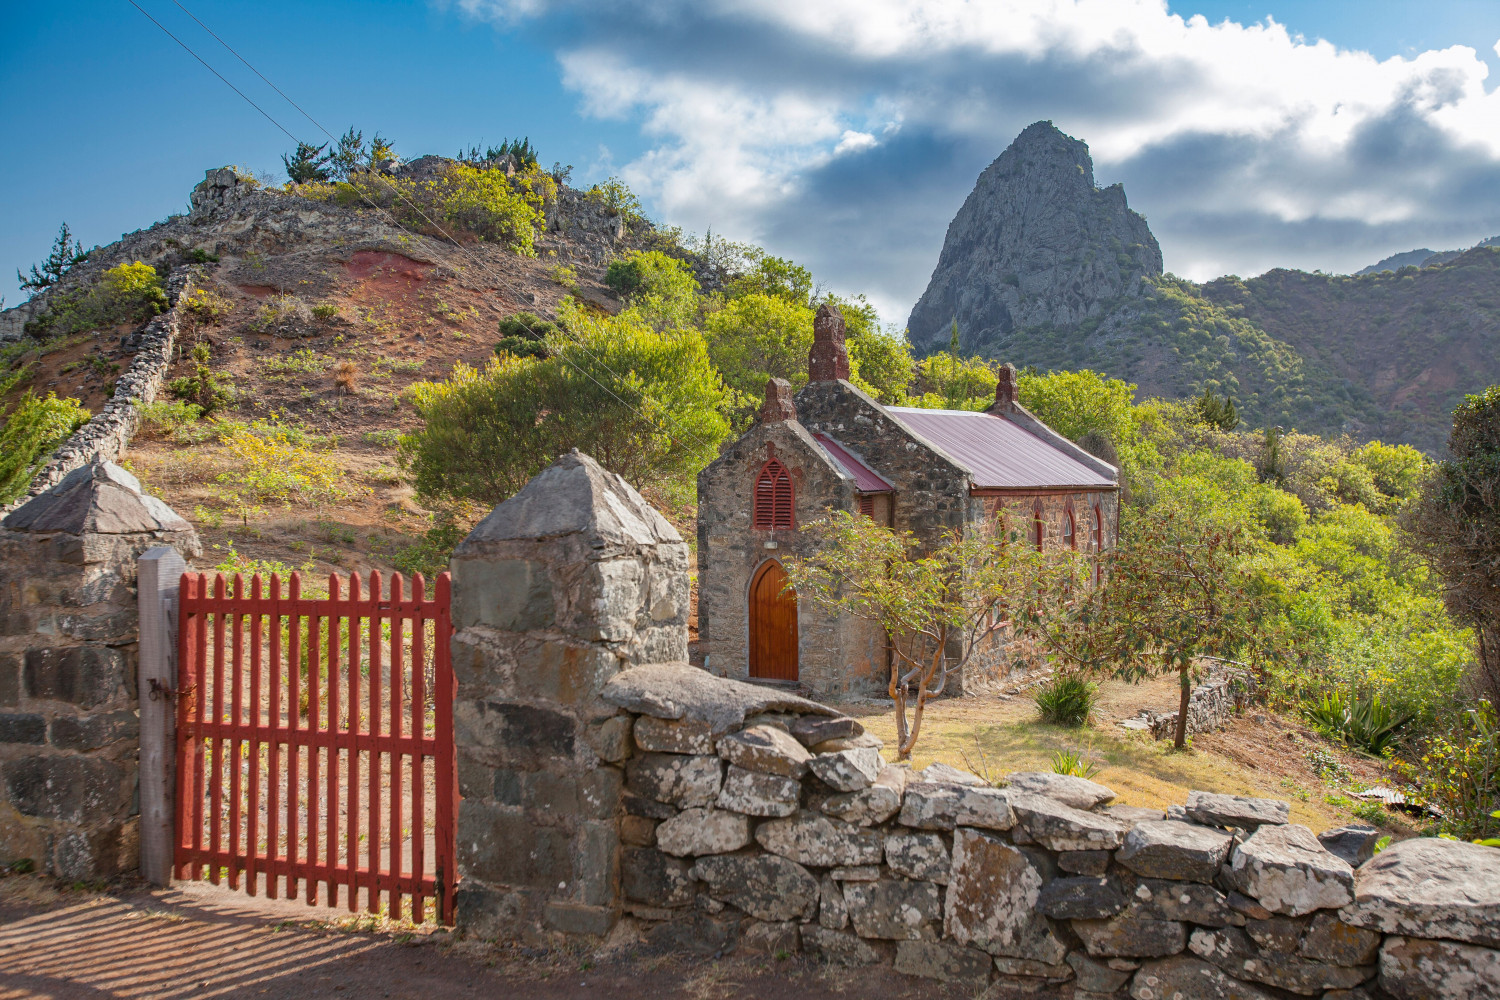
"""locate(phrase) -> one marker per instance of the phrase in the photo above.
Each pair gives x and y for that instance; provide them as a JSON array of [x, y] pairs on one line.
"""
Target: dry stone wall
[[1212, 704]]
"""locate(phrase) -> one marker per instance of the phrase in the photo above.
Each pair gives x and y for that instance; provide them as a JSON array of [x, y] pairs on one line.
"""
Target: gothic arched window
[[773, 497]]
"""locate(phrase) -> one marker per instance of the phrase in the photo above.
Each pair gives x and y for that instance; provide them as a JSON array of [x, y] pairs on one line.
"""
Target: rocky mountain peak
[[1035, 243]]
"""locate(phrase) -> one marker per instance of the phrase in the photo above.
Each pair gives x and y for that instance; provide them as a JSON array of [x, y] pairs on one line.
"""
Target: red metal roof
[[998, 453], [865, 478]]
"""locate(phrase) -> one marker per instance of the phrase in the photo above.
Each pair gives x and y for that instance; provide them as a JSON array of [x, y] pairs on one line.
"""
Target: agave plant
[[1367, 724], [1073, 762]]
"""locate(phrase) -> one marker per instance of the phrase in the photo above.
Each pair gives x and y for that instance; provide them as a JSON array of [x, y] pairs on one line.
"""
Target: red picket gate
[[275, 743]]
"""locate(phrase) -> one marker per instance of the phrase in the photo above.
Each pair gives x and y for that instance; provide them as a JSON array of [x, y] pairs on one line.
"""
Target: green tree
[[307, 163], [757, 337], [661, 288], [1217, 412], [939, 604], [645, 403], [1456, 524], [779, 277], [28, 434], [348, 155], [66, 252]]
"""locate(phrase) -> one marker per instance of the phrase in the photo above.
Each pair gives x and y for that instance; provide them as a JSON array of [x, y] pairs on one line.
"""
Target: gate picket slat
[[252, 835], [393, 841], [418, 728], [233, 718], [273, 767], [236, 698], [294, 756], [372, 844], [331, 806], [351, 815], [216, 778]]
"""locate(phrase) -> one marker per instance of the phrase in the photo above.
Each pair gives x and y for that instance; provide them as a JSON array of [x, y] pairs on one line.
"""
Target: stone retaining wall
[[1227, 691], [107, 434]]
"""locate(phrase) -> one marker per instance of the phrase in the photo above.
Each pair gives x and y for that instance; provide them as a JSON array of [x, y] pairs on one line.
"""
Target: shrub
[[1066, 700], [1458, 774], [346, 376], [325, 311], [204, 387], [283, 314], [207, 306], [386, 437], [127, 293], [617, 199], [271, 468], [1367, 724], [165, 419], [1073, 762], [32, 429]]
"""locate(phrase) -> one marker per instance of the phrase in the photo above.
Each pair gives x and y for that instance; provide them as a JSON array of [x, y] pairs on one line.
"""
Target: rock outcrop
[[1035, 243]]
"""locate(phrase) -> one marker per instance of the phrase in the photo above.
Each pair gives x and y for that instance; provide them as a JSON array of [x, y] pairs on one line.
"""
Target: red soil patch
[[367, 262], [259, 291]]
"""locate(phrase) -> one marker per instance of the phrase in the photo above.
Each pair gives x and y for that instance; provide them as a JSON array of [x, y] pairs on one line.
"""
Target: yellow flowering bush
[[1458, 775], [271, 467]]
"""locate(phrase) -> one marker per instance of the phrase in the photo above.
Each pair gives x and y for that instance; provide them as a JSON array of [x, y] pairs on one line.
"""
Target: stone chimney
[[828, 361], [1005, 390], [778, 406]]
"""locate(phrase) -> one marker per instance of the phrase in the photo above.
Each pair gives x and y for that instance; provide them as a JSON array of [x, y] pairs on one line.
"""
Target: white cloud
[[1309, 148]]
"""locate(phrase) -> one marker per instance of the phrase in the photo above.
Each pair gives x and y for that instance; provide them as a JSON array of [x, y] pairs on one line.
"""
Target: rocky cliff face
[[1036, 243]]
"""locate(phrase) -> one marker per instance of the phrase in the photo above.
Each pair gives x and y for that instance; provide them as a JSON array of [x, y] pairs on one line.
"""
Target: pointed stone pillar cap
[[99, 498]]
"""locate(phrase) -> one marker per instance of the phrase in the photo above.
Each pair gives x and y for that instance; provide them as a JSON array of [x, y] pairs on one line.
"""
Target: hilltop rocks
[[1035, 243]]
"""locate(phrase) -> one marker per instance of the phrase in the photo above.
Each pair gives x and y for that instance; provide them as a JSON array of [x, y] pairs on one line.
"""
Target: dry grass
[[1259, 754]]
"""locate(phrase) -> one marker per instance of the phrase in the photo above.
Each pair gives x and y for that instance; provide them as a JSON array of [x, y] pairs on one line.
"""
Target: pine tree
[[66, 251], [348, 155], [308, 163], [1216, 412]]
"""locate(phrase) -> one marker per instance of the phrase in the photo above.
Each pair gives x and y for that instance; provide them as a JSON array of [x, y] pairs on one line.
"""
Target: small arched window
[[1038, 526], [1070, 537], [1098, 528], [773, 497]]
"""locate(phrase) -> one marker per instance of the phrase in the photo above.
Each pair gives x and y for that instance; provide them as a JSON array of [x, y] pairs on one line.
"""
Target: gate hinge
[[160, 692]]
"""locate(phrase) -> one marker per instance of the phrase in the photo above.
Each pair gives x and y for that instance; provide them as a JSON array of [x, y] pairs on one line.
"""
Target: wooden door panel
[[773, 625]]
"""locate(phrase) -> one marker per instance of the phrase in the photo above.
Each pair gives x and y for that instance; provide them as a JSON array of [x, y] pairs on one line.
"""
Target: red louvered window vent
[[867, 506], [773, 497]]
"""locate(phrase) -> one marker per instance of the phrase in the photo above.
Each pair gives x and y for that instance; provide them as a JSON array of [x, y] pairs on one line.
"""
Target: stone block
[[610, 739], [1095, 976], [832, 911], [1058, 827], [1354, 843], [1070, 790], [639, 805], [696, 932], [10, 679], [811, 730], [1026, 968], [810, 838], [1131, 815], [596, 863], [1430, 887], [1081, 897], [1232, 950], [1172, 850], [488, 837], [756, 793], [68, 789], [949, 775], [778, 938], [637, 831], [838, 947], [1288, 871], [482, 911], [848, 770], [763, 885], [767, 749], [875, 804], [86, 676], [944, 961], [991, 900], [1131, 935], [687, 736], [919, 855], [514, 595], [22, 727], [93, 732], [579, 918], [1241, 811], [855, 873], [1417, 969], [893, 910], [656, 879], [1329, 939], [1084, 862], [1190, 902], [687, 782], [694, 832], [1277, 934], [524, 735], [931, 805], [1183, 977]]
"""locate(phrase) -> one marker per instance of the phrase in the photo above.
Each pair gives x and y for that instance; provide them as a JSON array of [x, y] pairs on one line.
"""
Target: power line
[[391, 218]]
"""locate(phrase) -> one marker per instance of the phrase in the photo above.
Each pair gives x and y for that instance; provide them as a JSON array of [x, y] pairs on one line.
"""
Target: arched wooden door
[[773, 625]]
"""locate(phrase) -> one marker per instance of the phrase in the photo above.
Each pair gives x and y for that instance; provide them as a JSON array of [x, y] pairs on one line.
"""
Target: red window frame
[[1038, 526], [773, 503]]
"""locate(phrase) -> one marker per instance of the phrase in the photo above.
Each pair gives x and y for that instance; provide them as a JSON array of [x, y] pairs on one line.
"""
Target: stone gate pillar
[[571, 580], [69, 627]]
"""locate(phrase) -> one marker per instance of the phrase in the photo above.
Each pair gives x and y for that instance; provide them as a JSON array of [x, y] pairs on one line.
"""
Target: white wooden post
[[159, 575]]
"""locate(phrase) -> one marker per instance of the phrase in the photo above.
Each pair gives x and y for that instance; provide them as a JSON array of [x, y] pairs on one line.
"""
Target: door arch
[[773, 625]]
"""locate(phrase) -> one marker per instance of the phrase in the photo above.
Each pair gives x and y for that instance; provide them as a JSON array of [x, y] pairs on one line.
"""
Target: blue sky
[[844, 133]]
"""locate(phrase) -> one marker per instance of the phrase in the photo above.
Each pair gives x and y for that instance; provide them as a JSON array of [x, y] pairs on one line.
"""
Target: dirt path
[[197, 941]]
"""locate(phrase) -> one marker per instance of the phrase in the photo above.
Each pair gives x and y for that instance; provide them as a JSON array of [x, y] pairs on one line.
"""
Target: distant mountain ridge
[[1041, 268], [1420, 258]]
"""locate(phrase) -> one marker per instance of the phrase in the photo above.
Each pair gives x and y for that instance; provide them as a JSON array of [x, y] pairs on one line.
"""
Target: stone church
[[833, 447]]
